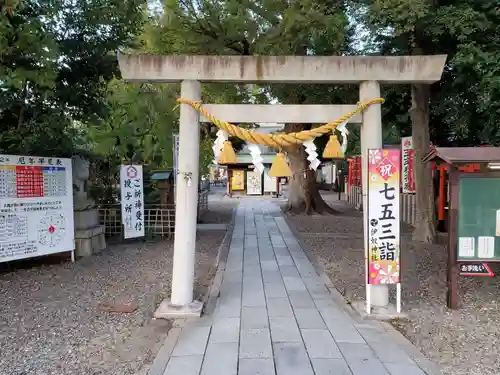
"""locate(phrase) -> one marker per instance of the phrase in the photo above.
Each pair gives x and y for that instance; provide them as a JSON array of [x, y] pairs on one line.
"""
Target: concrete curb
[[213, 291], [429, 367], [160, 362], [209, 299]]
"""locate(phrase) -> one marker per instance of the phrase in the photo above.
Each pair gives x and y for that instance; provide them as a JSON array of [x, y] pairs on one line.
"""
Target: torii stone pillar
[[371, 137], [369, 72], [186, 207]]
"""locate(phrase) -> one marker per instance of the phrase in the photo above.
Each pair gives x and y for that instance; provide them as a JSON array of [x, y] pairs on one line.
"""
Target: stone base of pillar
[[168, 311], [388, 312], [89, 235], [89, 241]]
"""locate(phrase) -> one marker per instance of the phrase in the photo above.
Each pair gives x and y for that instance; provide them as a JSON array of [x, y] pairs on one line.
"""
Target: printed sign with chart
[[383, 216], [36, 206], [132, 200]]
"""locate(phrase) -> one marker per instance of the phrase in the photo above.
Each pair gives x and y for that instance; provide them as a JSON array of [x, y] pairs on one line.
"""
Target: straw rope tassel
[[280, 167], [333, 150], [227, 155]]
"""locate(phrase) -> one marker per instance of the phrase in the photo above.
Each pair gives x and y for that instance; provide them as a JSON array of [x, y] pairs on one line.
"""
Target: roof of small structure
[[162, 175], [464, 155]]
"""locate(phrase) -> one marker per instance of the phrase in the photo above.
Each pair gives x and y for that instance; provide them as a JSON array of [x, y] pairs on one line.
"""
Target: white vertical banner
[[132, 200], [407, 156], [175, 149]]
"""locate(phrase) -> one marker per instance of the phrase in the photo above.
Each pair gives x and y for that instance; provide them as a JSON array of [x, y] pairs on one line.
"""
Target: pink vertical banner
[[383, 216]]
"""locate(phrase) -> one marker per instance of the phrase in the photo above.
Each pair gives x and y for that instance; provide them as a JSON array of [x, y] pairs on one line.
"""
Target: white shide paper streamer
[[343, 132], [312, 154], [256, 157], [222, 137]]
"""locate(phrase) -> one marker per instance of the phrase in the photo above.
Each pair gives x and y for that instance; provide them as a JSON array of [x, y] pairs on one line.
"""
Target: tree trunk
[[425, 225], [304, 196]]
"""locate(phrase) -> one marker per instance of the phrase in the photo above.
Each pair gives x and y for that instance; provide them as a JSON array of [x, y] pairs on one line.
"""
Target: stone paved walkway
[[275, 316]]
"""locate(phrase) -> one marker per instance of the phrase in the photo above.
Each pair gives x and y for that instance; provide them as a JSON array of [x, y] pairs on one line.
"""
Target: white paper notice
[[466, 247], [498, 224], [486, 247]]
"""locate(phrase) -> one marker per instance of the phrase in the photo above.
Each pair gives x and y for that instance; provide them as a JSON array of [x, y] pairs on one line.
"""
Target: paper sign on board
[[466, 247], [485, 247], [498, 224]]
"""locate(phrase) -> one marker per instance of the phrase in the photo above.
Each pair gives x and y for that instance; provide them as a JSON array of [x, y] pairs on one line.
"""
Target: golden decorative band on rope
[[283, 139]]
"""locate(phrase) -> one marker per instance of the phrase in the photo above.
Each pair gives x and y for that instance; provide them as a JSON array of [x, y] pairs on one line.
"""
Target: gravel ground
[[50, 323], [220, 212], [465, 341]]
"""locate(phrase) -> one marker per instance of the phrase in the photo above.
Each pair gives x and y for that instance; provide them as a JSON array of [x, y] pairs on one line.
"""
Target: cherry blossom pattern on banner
[[383, 216]]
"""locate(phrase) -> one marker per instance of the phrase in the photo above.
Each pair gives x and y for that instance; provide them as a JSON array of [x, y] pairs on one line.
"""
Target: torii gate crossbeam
[[367, 71]]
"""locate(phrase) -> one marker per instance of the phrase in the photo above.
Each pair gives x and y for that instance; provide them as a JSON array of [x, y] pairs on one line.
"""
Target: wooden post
[[230, 182], [452, 299], [339, 184], [442, 192]]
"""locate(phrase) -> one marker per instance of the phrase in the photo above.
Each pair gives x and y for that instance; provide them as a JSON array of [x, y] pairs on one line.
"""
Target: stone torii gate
[[368, 72]]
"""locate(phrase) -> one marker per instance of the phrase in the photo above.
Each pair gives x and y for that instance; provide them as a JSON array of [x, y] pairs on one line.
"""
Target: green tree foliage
[[461, 109], [56, 58], [464, 104], [139, 125]]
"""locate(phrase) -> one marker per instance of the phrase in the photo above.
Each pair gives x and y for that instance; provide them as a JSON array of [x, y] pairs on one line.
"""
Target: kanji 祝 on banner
[[383, 216]]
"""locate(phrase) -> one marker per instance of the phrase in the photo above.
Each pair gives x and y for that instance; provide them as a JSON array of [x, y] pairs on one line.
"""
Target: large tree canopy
[[266, 27], [56, 58], [450, 111]]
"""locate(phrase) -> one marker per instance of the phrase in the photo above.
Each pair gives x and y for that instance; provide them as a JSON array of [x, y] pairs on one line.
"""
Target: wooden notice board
[[479, 219]]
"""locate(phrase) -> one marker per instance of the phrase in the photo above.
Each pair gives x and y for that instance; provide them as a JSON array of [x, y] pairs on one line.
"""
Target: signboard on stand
[[407, 167], [269, 182], [238, 180], [132, 200], [254, 183], [36, 207], [383, 258]]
